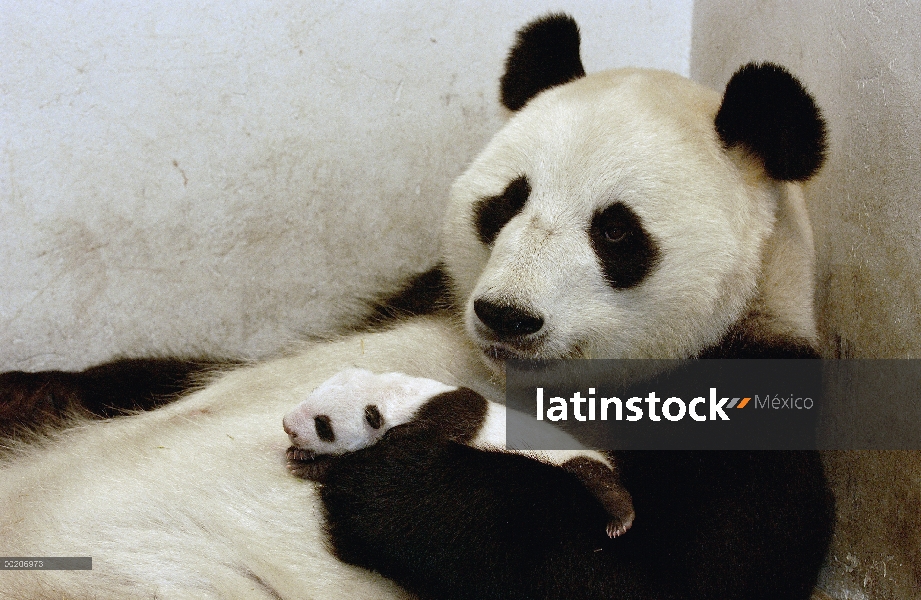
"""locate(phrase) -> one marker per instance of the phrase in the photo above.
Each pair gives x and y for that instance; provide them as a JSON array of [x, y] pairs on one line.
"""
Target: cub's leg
[[356, 408]]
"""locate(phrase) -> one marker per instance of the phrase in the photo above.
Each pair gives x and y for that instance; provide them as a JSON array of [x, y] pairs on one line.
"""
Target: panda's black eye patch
[[324, 427], [626, 251], [373, 416], [491, 214]]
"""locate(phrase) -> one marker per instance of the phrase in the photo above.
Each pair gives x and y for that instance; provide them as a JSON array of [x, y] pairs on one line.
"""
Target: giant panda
[[624, 214]]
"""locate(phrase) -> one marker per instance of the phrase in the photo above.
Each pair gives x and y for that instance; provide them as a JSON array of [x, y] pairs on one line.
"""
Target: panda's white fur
[[194, 500]]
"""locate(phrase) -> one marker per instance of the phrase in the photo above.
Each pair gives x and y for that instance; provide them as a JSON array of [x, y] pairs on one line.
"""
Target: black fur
[[324, 428], [32, 401], [451, 522], [373, 416], [457, 415], [626, 251], [739, 342], [545, 54], [769, 112], [423, 294], [491, 214], [752, 525]]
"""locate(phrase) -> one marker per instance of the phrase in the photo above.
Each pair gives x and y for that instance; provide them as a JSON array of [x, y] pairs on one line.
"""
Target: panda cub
[[355, 408], [516, 521], [627, 214]]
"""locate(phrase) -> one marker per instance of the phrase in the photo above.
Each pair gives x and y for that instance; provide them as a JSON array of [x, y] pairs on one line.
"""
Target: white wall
[[178, 176]]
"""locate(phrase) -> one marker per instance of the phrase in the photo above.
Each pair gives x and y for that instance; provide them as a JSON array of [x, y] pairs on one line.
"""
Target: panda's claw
[[306, 464], [613, 529], [299, 454], [619, 526]]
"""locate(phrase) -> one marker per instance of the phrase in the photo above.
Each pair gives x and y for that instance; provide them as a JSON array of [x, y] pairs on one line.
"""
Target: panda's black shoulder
[[425, 293], [745, 342], [45, 400]]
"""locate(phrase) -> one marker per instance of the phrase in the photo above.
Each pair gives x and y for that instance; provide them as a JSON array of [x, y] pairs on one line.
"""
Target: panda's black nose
[[506, 320]]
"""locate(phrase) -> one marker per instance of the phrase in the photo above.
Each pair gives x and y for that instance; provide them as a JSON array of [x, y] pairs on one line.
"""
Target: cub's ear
[[770, 113], [545, 54]]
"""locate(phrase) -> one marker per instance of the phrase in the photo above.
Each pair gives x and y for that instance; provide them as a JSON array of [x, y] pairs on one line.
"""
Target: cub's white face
[[606, 219]]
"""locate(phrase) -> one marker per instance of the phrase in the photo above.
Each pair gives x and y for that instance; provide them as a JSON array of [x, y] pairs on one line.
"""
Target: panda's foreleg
[[355, 408], [596, 470]]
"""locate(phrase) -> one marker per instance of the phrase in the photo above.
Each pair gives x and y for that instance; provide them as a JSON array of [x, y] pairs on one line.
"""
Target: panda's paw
[[603, 482], [307, 465], [621, 514], [353, 410]]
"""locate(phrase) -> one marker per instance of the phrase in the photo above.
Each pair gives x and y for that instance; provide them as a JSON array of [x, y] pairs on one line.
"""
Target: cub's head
[[625, 213]]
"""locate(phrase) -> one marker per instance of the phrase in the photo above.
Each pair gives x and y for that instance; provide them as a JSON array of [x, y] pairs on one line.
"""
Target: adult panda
[[624, 214]]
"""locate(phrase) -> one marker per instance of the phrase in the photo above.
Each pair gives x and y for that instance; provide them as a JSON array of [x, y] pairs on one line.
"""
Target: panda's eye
[[626, 252], [615, 234]]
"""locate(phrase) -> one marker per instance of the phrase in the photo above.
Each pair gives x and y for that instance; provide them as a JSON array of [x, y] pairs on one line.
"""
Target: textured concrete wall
[[193, 177], [862, 61]]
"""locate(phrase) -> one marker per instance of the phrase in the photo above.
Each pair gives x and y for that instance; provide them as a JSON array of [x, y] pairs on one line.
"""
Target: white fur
[[194, 500]]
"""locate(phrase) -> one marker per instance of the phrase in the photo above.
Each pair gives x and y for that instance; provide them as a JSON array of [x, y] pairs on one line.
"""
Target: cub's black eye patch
[[324, 428], [626, 252], [373, 416], [491, 214]]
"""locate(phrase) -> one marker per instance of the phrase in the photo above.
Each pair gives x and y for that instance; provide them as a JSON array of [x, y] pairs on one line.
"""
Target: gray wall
[[862, 61]]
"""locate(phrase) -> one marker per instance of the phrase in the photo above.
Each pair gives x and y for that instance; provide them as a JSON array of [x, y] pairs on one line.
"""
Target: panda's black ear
[[545, 54], [769, 112]]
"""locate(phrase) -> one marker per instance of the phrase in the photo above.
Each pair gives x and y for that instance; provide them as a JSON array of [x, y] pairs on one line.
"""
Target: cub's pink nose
[[292, 434]]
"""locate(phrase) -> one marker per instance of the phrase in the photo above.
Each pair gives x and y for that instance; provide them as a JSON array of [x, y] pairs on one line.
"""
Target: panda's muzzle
[[506, 321]]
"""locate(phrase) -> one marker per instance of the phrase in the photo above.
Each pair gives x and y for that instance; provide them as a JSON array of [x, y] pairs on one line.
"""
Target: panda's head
[[621, 214]]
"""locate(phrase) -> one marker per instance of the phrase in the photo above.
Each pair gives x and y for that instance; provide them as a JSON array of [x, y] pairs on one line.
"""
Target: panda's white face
[[606, 219]]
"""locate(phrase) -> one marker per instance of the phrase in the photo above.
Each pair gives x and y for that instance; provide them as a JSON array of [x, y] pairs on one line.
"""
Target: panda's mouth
[[499, 352], [502, 353], [496, 353], [497, 349]]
